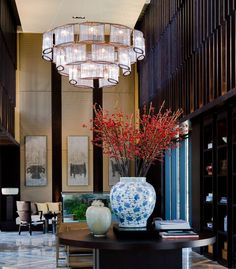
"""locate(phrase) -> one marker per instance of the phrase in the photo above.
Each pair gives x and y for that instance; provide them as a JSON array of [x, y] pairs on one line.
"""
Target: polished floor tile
[[38, 251]]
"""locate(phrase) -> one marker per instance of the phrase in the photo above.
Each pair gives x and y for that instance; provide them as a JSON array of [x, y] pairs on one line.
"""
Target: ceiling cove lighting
[[93, 50]]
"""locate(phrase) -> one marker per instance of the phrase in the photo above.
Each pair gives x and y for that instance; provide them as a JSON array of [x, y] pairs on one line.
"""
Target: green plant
[[76, 207], [79, 211]]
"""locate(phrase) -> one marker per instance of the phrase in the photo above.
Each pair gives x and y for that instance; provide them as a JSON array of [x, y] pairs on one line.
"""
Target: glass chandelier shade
[[91, 50]]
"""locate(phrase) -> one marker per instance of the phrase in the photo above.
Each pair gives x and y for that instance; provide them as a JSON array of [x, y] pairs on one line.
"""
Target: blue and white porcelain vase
[[133, 200]]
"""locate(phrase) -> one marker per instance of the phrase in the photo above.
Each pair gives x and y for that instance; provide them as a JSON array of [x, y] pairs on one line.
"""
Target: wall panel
[[192, 42]]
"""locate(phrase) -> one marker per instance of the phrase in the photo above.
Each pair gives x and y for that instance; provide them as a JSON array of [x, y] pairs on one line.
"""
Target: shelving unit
[[222, 190], [218, 184], [207, 203], [233, 179]]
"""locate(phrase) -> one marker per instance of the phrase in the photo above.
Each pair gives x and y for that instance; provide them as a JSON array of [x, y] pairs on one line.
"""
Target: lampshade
[[10, 191], [93, 50]]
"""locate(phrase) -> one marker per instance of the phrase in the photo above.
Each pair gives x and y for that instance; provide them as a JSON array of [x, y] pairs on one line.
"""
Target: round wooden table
[[114, 253]]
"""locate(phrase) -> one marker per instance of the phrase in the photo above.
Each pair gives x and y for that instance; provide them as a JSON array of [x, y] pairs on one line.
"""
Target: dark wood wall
[[8, 26], [190, 64], [190, 53], [9, 149]]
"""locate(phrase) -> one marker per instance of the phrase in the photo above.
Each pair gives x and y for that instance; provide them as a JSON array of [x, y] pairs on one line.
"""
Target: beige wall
[[119, 97], [35, 107], [76, 110], [34, 93]]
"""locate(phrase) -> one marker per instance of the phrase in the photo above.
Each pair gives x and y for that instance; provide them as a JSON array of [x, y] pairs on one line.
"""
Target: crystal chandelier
[[92, 50]]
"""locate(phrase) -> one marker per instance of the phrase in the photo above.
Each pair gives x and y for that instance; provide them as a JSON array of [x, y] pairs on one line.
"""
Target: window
[[178, 180]]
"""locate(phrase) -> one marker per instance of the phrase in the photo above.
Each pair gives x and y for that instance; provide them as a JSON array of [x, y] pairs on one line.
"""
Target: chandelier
[[92, 50]]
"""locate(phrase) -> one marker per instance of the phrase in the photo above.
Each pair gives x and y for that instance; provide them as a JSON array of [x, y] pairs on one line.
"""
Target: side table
[[52, 216]]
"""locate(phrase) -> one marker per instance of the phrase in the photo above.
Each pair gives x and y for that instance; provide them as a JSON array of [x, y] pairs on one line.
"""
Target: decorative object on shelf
[[223, 200], [133, 200], [223, 167], [224, 253], [225, 223], [225, 245], [143, 140], [93, 50], [209, 197], [77, 160], [224, 138], [98, 218], [36, 160], [210, 145], [209, 225], [209, 169]]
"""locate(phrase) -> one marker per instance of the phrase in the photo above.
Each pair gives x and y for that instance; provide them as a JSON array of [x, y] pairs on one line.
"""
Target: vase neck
[[132, 179]]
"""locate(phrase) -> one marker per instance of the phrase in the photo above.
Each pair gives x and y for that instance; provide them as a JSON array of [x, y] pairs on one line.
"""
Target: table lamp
[[9, 192]]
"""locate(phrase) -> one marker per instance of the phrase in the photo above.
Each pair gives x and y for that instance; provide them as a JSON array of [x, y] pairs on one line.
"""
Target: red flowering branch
[[144, 142]]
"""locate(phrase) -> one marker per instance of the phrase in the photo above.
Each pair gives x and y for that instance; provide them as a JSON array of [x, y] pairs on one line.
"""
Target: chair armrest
[[40, 212]]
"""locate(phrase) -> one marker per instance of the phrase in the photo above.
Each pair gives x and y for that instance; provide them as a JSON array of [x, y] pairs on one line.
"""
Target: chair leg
[[30, 230], [57, 252], [19, 229]]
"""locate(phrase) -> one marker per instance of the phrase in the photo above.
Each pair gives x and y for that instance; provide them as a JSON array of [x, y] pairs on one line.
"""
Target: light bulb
[[64, 32]]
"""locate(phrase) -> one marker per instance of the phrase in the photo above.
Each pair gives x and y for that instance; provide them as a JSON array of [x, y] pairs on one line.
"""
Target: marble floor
[[38, 251]]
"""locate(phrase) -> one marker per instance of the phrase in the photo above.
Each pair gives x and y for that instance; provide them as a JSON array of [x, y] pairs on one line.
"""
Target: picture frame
[[35, 161], [77, 174], [114, 175]]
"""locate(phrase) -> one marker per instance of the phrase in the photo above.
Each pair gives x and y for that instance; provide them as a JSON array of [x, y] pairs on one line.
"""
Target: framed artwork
[[77, 160], [36, 160], [114, 175]]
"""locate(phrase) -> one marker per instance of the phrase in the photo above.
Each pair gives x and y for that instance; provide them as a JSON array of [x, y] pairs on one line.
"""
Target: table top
[[83, 238]]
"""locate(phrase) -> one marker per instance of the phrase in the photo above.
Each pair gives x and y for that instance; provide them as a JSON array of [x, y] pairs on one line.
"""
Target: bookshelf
[[218, 184]]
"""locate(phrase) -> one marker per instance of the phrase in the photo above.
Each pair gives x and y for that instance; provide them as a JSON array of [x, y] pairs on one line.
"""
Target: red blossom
[[143, 141]]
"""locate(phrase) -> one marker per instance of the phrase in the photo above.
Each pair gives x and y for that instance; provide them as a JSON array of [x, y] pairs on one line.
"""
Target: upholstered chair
[[25, 214]]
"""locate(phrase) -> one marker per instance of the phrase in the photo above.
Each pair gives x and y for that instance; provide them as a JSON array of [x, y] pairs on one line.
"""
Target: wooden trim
[[191, 44], [97, 152], [56, 96], [216, 102]]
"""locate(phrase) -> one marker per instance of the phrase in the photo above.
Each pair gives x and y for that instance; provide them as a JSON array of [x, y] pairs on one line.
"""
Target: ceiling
[[42, 15]]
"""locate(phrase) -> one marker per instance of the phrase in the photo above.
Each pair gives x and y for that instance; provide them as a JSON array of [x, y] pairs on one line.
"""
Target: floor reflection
[[38, 251]]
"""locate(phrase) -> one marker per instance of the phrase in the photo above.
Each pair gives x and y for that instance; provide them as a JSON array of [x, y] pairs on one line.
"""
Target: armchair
[[24, 211]]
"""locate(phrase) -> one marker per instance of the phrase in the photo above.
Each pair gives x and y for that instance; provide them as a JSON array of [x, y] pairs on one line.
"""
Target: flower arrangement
[[143, 139]]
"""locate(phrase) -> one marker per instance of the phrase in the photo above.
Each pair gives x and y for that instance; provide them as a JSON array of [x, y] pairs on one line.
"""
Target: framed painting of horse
[[77, 160]]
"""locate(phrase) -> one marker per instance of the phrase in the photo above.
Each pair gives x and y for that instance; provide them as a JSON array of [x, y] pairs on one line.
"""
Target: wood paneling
[[8, 24], [190, 52], [97, 152], [9, 149], [56, 134]]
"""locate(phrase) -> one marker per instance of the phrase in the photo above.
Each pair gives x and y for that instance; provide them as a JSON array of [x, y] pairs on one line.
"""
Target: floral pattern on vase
[[133, 200]]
